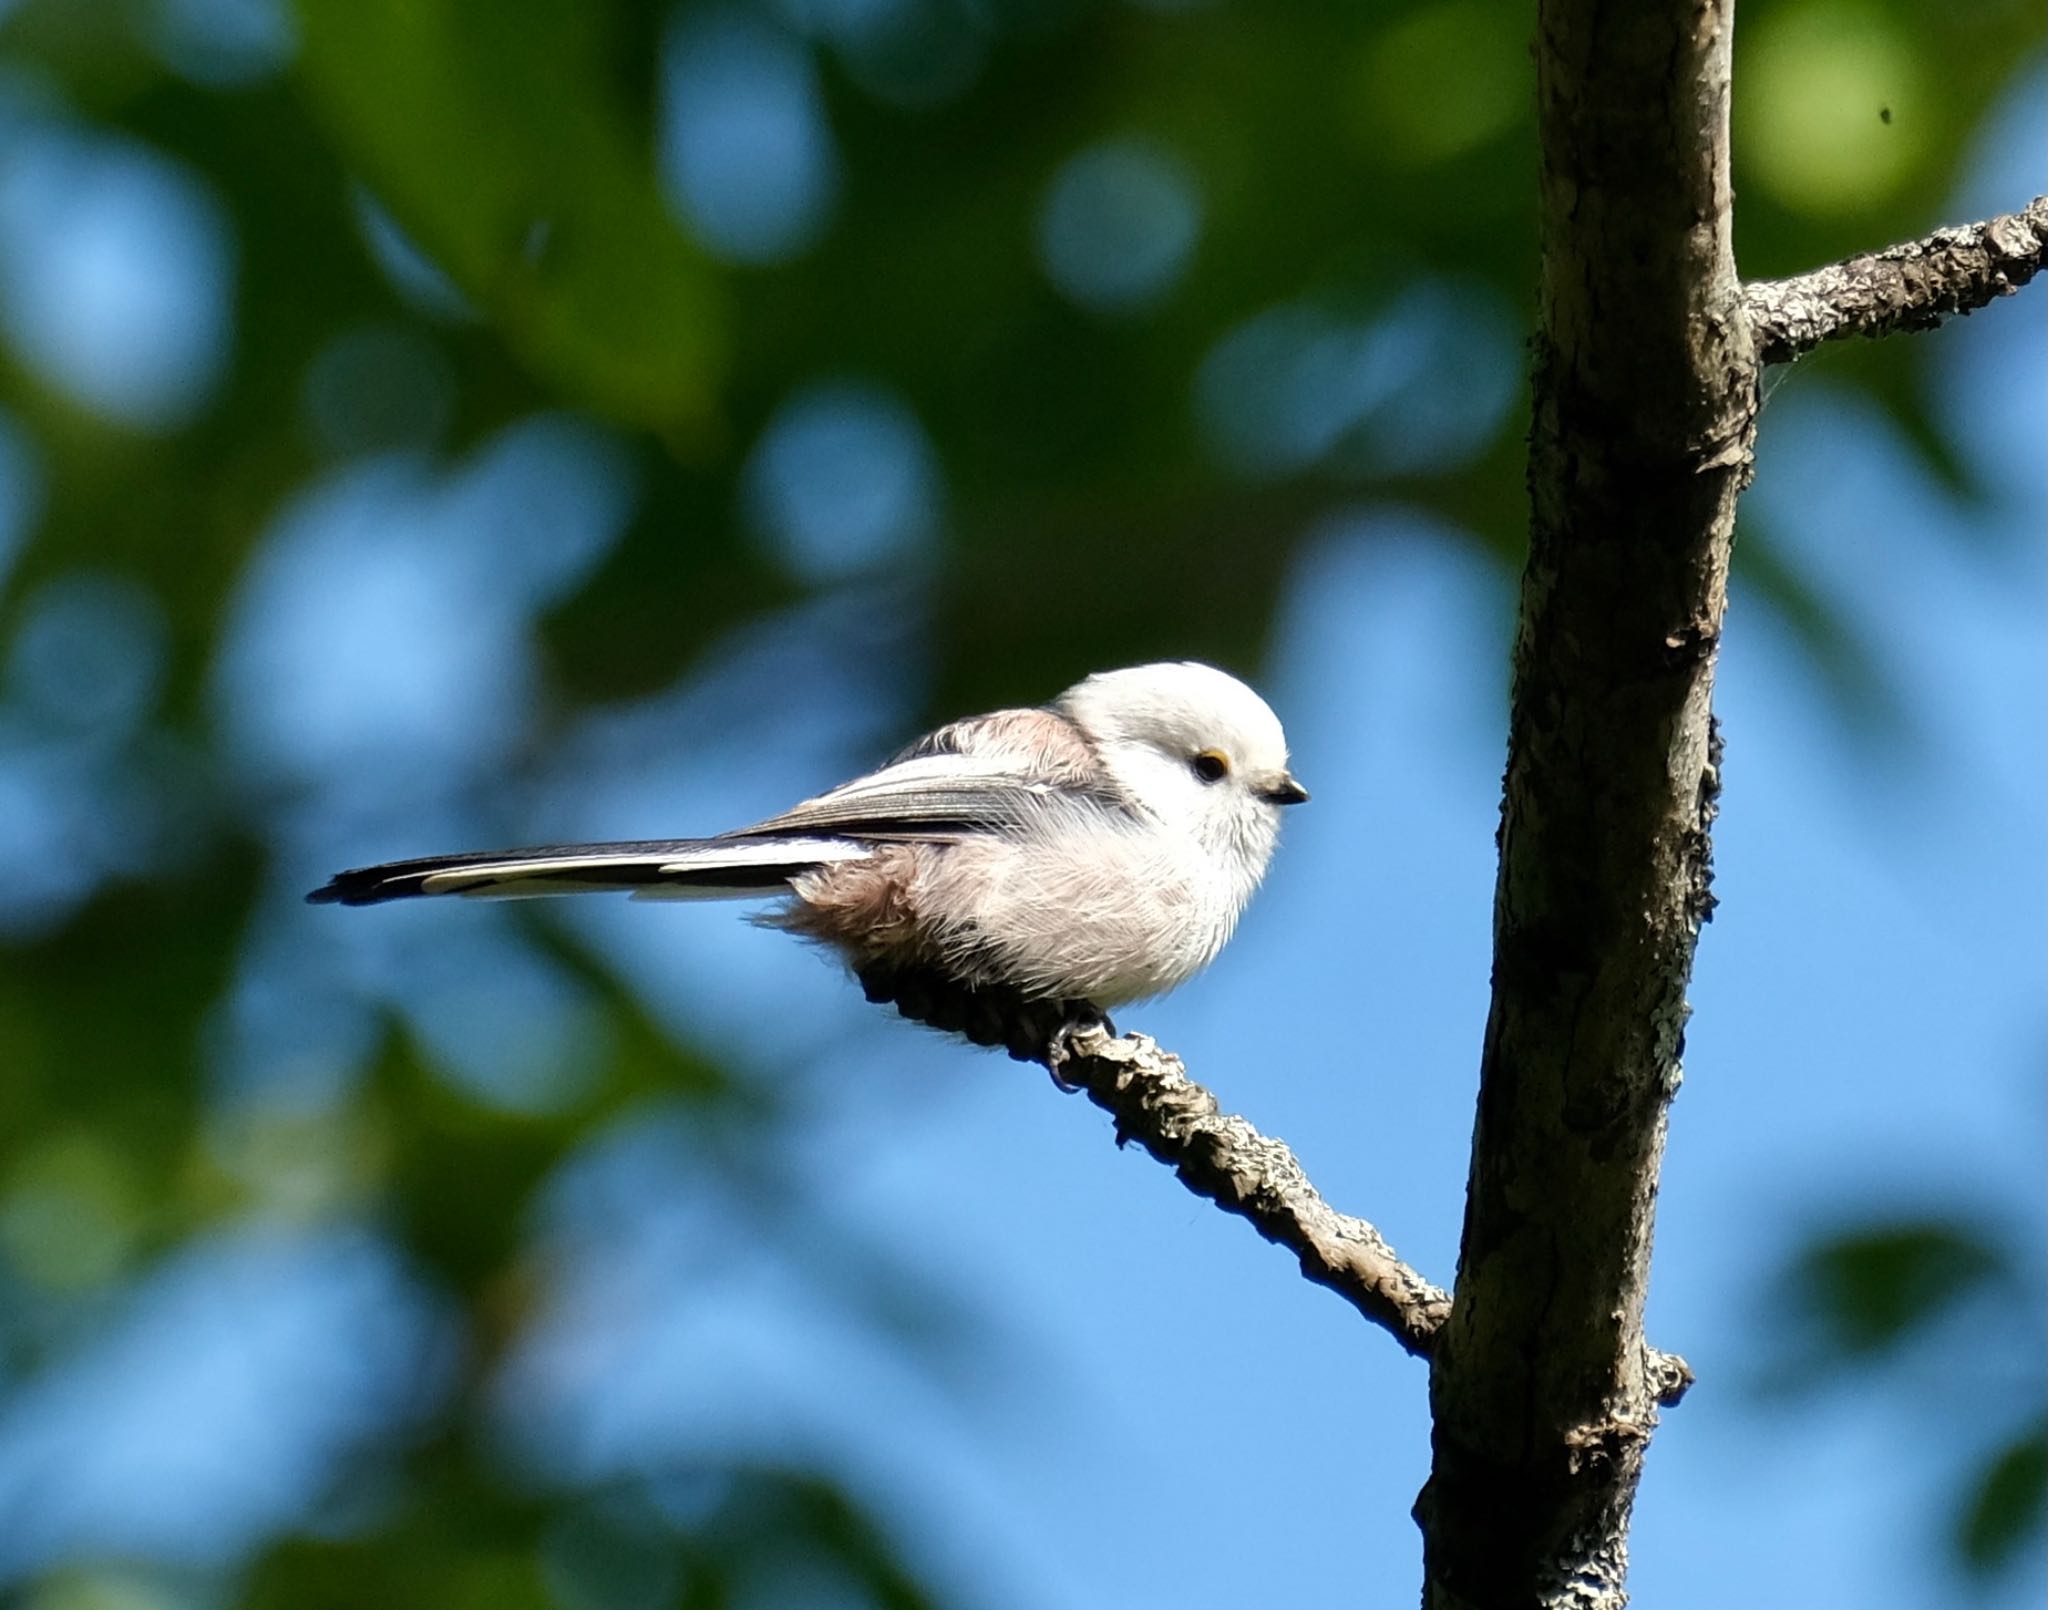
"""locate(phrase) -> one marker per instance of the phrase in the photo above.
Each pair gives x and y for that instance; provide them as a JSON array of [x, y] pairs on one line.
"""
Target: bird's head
[[1194, 747]]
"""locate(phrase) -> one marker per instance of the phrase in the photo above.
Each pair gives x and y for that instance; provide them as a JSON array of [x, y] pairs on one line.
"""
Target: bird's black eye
[[1210, 766]]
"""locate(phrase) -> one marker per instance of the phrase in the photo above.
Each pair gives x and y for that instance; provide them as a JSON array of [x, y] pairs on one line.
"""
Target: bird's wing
[[1039, 743], [977, 776]]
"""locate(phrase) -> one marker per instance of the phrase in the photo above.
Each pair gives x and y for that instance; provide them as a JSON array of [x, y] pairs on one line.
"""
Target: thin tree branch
[[1218, 1156], [1223, 1158], [1913, 286]]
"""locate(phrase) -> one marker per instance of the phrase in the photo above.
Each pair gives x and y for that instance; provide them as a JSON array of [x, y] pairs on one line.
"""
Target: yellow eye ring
[[1211, 765]]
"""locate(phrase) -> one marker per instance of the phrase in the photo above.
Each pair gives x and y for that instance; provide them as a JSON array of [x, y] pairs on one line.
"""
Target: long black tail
[[684, 869]]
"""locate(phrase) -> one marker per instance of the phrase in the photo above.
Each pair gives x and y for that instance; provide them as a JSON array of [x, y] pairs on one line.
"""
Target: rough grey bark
[[1913, 286], [1542, 1388], [1225, 1159]]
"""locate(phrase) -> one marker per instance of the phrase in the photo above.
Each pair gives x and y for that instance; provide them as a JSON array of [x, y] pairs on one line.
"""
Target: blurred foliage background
[[443, 422]]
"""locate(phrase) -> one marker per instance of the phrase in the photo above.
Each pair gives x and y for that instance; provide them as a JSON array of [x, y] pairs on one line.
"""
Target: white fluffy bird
[[1096, 851]]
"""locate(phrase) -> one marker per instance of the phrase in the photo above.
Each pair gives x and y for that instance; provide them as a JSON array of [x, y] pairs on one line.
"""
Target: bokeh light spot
[[287, 1038], [743, 144], [1826, 95], [116, 274], [383, 629], [1417, 385], [503, 1022], [42, 879], [1118, 225], [88, 655], [222, 44], [843, 481], [543, 502], [363, 643]]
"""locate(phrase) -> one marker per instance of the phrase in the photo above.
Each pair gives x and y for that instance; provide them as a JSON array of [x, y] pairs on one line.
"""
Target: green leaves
[[1866, 1292], [1852, 119], [1889, 1299], [495, 133], [2008, 1506]]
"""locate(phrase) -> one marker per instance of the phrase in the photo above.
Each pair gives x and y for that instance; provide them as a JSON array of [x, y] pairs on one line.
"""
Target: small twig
[[1908, 287], [1223, 1158]]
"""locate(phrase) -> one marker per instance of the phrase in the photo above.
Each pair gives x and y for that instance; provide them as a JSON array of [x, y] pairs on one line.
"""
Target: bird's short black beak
[[1285, 792]]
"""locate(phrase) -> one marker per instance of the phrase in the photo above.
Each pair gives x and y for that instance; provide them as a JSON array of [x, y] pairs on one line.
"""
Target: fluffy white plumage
[[1100, 849]]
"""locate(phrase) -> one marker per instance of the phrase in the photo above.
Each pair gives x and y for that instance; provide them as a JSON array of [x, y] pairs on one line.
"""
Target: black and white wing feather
[[983, 776]]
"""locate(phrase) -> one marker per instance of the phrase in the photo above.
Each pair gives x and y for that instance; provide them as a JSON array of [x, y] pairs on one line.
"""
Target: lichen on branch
[[1912, 286]]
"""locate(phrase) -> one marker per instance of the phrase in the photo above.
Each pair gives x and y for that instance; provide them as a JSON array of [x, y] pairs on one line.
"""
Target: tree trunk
[[1542, 1388]]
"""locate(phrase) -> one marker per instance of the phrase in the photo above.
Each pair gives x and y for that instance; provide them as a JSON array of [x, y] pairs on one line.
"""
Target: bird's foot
[[1075, 1019]]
